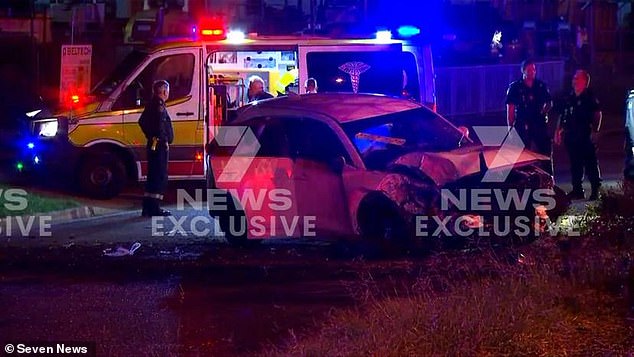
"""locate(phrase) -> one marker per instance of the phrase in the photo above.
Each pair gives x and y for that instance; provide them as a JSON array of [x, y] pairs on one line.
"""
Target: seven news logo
[[50, 348]]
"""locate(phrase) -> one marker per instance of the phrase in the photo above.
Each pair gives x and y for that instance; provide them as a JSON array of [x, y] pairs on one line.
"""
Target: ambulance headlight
[[33, 113], [46, 128]]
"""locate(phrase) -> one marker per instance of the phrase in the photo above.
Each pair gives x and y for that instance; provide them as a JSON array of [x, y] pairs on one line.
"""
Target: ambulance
[[97, 140]]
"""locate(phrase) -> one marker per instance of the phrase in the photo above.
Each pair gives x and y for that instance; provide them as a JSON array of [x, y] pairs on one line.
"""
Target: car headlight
[[47, 127], [33, 113]]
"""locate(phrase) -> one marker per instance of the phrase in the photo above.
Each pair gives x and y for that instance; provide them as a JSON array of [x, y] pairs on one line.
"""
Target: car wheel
[[102, 176], [562, 202], [381, 224], [233, 223]]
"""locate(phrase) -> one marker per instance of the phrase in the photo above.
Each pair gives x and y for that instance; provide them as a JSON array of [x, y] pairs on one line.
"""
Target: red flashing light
[[212, 27], [216, 32], [199, 156], [75, 98]]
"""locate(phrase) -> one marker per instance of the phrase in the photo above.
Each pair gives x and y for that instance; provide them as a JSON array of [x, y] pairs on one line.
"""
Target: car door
[[181, 69], [258, 174], [319, 158]]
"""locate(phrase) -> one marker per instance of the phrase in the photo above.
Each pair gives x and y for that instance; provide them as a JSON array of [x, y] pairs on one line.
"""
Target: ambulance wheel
[[102, 176]]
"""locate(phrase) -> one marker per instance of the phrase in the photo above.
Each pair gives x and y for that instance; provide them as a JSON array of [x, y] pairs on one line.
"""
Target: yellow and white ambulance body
[[100, 142]]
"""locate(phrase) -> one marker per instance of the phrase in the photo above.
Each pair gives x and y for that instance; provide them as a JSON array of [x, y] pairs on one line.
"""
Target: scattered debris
[[180, 254], [120, 251], [168, 252], [523, 259]]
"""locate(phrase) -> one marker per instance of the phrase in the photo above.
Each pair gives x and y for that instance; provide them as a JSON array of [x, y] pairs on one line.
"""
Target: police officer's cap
[[160, 84]]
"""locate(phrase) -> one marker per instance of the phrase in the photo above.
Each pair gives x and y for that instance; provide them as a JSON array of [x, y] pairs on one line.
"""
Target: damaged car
[[370, 166]]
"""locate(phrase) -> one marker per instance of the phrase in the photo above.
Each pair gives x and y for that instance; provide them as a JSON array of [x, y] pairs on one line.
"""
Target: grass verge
[[19, 202], [566, 296]]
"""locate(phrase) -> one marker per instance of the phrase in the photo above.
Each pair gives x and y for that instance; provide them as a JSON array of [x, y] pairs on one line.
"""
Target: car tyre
[[102, 176], [382, 226], [231, 221]]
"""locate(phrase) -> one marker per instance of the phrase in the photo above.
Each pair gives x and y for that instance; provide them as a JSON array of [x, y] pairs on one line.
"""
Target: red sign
[[75, 72]]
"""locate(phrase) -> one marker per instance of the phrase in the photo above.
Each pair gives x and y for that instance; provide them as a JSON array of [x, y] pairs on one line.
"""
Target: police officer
[[157, 127], [578, 126], [528, 102]]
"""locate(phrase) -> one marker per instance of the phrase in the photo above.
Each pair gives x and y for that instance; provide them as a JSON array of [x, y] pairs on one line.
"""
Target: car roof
[[343, 107]]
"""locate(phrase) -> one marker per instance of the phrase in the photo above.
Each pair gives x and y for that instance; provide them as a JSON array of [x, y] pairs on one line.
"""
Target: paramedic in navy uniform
[[528, 102], [157, 127]]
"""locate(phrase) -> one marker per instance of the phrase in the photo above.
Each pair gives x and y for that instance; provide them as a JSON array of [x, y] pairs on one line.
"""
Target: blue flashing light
[[30, 146], [408, 31], [36, 159]]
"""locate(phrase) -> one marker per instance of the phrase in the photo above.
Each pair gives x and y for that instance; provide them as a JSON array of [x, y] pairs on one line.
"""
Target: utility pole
[[591, 31], [313, 15], [35, 58]]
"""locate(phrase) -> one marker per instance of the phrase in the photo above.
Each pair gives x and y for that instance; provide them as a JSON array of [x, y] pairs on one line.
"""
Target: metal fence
[[481, 90]]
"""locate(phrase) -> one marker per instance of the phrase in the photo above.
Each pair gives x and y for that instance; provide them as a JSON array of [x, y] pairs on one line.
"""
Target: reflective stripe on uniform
[[158, 196]]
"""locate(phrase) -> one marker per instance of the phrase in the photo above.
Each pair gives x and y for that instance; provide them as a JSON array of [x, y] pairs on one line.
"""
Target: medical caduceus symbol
[[354, 70]]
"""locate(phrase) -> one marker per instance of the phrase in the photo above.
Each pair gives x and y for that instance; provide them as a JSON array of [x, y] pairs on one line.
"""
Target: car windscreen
[[398, 133], [121, 71]]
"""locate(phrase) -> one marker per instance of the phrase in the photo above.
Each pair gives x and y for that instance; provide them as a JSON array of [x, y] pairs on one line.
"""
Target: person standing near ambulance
[[311, 85], [528, 102], [157, 128]]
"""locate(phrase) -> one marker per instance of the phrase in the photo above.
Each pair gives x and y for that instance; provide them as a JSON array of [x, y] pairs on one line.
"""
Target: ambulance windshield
[[119, 74]]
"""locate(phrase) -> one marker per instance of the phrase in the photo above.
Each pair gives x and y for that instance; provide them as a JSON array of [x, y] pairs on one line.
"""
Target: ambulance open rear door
[[224, 96]]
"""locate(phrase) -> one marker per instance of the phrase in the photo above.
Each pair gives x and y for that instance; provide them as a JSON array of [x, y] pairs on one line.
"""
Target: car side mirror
[[465, 134], [464, 130], [139, 97], [337, 164]]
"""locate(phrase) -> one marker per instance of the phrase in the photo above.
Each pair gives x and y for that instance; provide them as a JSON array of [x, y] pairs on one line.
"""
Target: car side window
[[273, 137], [177, 69], [315, 141]]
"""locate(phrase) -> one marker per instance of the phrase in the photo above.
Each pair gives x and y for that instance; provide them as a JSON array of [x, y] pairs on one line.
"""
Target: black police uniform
[[157, 127], [576, 122], [530, 123]]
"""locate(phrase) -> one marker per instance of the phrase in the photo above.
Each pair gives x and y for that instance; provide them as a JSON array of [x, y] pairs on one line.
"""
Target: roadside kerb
[[71, 213]]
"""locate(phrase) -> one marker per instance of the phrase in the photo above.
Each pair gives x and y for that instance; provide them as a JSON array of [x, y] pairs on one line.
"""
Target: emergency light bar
[[236, 36], [384, 36], [408, 31], [208, 32], [212, 28]]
